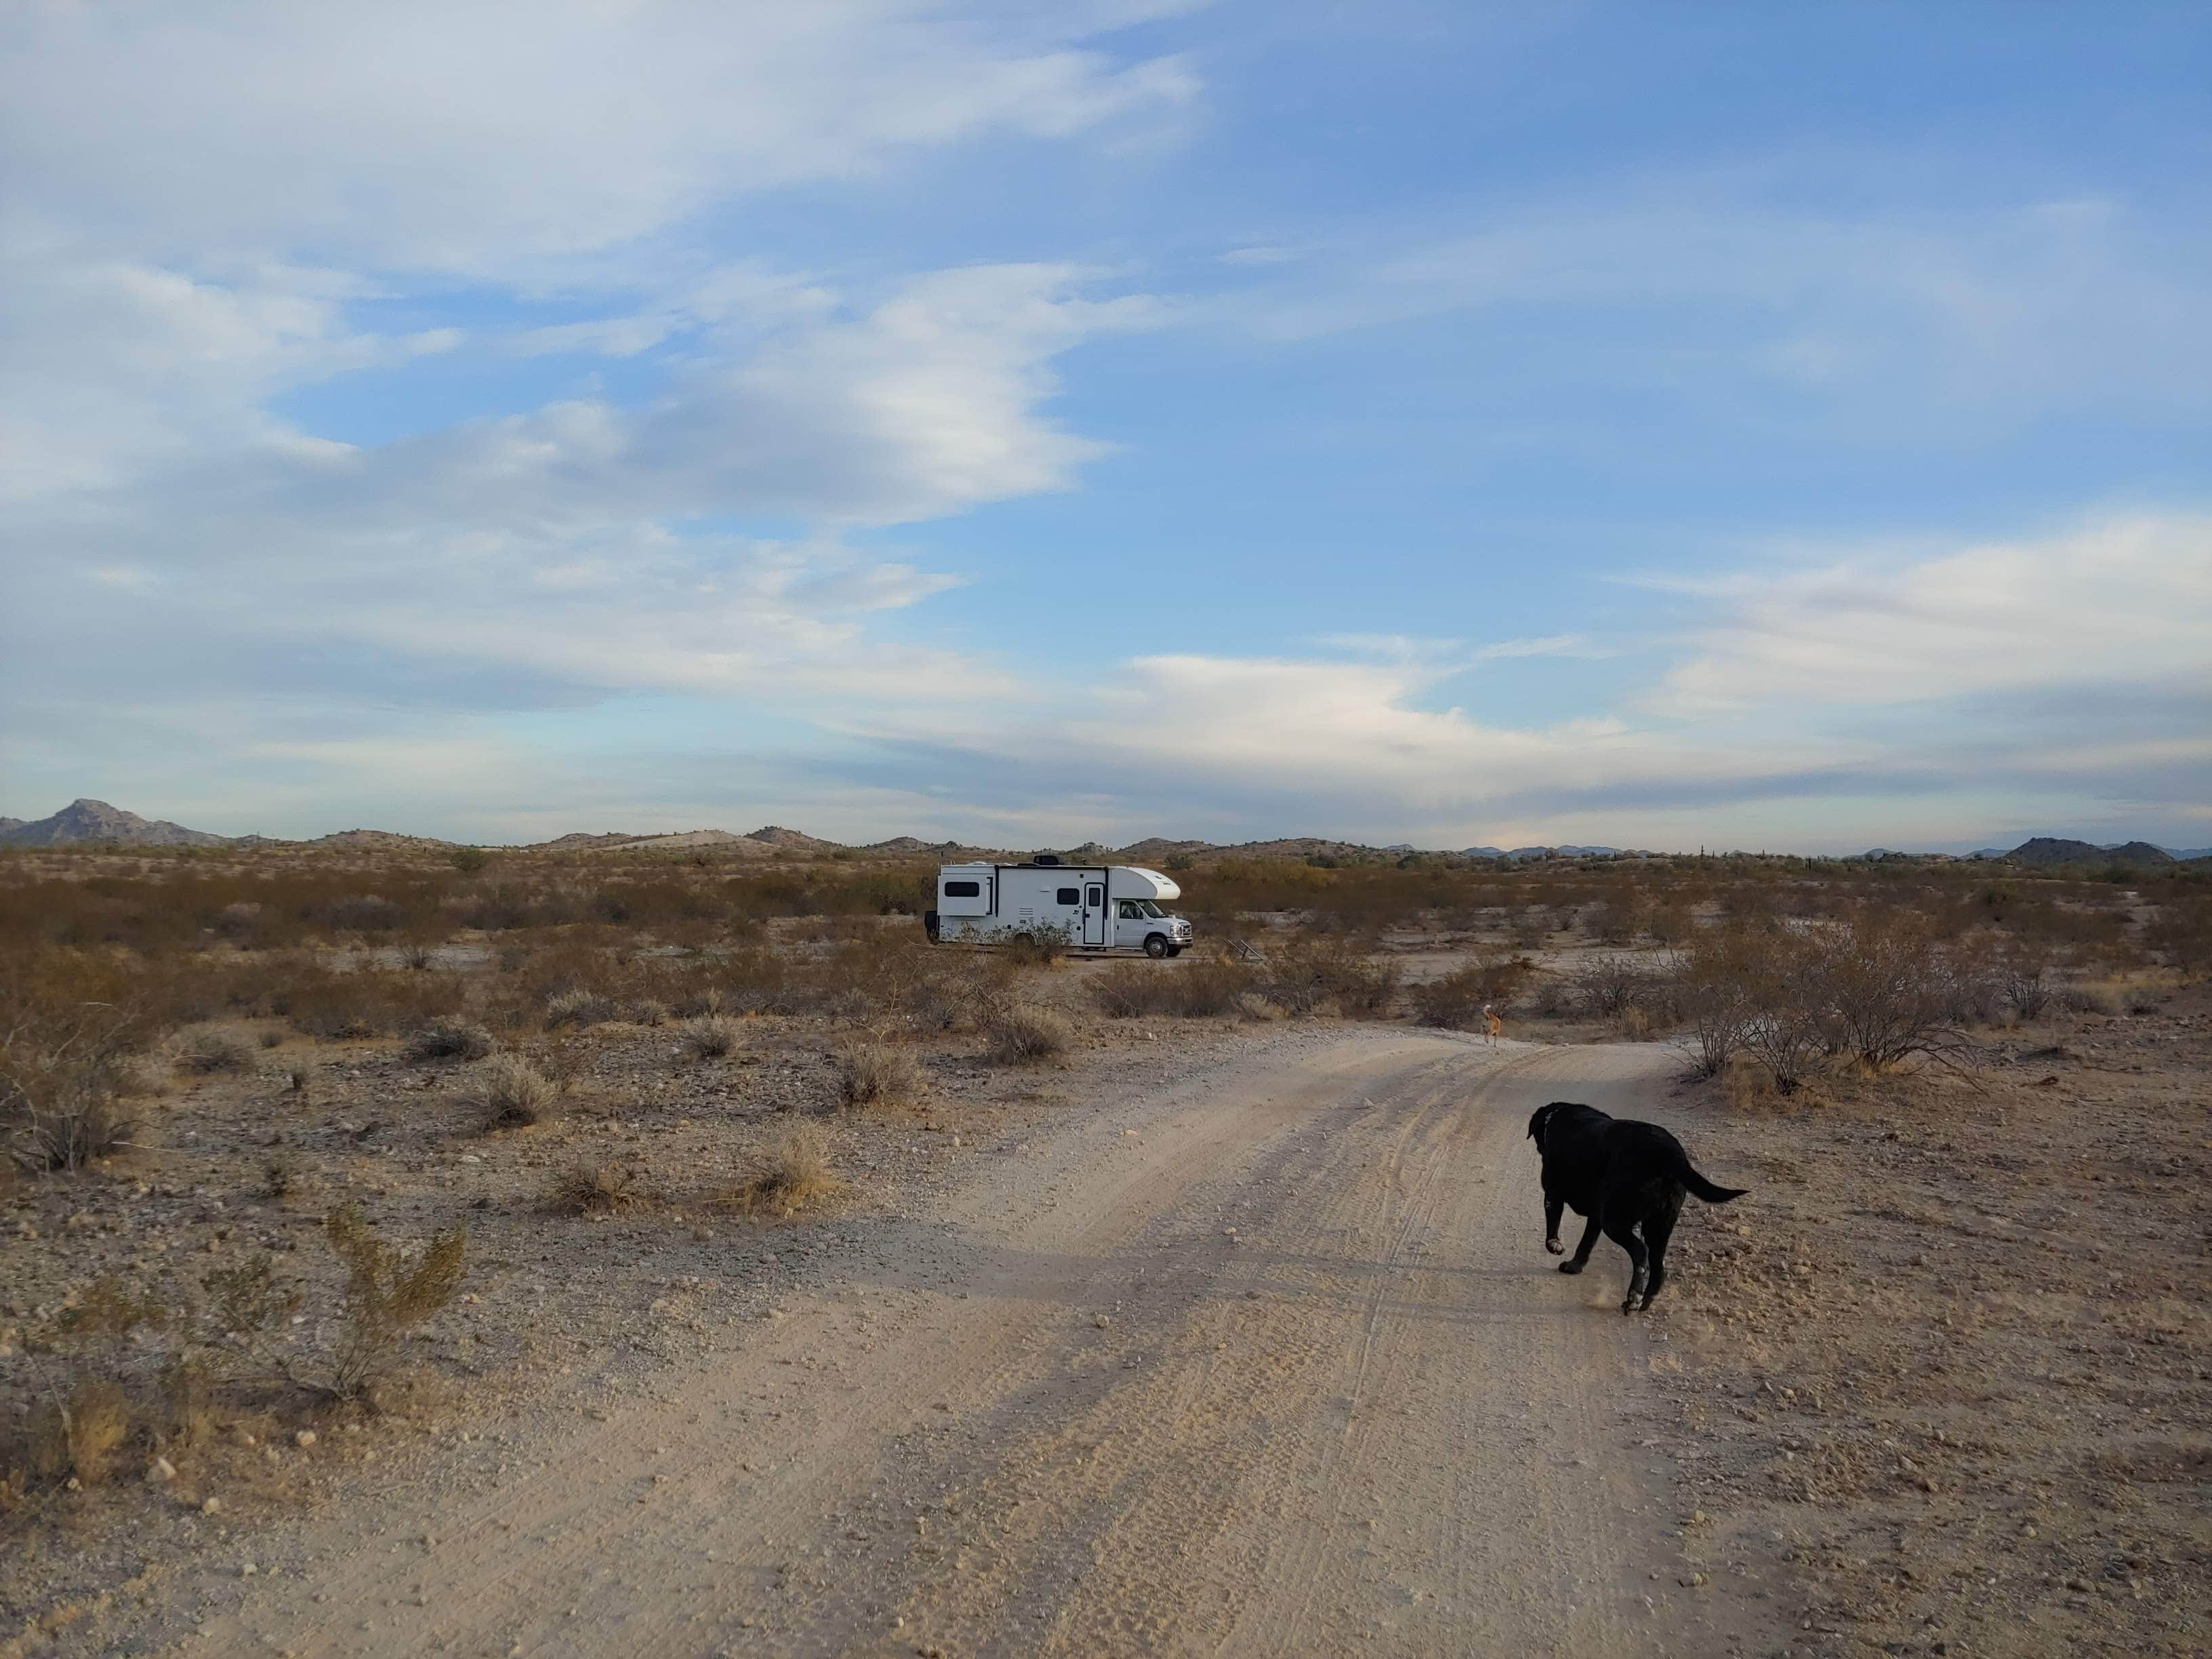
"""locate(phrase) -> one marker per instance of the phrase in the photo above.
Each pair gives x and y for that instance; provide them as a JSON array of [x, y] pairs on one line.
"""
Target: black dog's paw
[[1555, 1247], [1629, 1306], [1571, 1267]]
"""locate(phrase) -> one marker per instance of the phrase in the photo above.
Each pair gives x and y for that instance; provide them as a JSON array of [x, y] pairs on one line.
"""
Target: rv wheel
[[1156, 946]]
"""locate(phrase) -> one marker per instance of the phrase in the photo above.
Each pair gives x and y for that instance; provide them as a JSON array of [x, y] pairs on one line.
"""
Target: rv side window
[[1070, 896], [963, 889]]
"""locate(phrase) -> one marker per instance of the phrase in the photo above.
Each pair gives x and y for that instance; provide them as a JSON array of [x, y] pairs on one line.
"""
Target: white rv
[[1097, 907]]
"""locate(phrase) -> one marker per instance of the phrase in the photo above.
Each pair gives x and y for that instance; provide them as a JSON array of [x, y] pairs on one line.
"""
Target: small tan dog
[[1492, 1027]]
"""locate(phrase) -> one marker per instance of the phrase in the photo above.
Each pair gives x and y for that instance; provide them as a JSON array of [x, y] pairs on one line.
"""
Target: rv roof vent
[[1045, 858]]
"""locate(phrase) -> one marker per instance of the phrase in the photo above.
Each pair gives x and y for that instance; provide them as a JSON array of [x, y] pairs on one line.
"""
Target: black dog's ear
[[1536, 1123]]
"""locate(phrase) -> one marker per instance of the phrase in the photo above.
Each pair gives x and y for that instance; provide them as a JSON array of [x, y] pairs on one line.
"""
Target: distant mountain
[[6, 824], [2183, 854], [2045, 850], [96, 823]]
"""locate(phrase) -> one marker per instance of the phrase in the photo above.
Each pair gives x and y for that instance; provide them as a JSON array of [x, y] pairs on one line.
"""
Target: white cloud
[[2122, 601], [459, 137], [1901, 317]]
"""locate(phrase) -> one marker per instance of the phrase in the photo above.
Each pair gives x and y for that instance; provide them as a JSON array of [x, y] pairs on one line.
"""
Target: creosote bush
[[1021, 1033], [387, 1294], [512, 1093], [877, 1074]]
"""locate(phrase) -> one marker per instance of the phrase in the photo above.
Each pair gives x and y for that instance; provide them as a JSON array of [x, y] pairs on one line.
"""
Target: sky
[[1713, 424]]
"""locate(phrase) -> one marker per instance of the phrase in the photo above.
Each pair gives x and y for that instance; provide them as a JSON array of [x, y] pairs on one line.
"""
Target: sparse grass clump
[[713, 1036], [449, 1039], [877, 1074], [1454, 1001], [512, 1093], [793, 1175], [1021, 1034], [80, 1437], [205, 1053], [578, 1007]]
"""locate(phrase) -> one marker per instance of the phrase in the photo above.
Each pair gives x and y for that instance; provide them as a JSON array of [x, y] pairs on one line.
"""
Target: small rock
[[212, 1506], [304, 1438], [161, 1469], [247, 1569], [1101, 1321]]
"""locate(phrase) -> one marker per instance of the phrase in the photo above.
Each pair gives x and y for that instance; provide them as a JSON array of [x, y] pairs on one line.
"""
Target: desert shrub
[[78, 1439], [700, 1000], [449, 1039], [1713, 986], [1455, 1000], [1311, 974], [1250, 1005], [1200, 989], [387, 1294], [2091, 997], [205, 1053], [594, 1189], [417, 958], [361, 913], [1746, 1084], [793, 1175], [578, 1007], [2021, 980], [468, 859], [1888, 991], [713, 1036], [62, 1079], [1785, 982], [1037, 945], [1605, 986], [512, 1093], [332, 1005], [646, 1011], [877, 1074], [1020, 1033]]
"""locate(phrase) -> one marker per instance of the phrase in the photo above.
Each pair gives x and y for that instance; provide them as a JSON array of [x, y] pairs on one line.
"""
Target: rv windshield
[[1142, 907]]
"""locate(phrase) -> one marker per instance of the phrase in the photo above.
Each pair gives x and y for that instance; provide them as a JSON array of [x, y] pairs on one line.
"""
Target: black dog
[[1620, 1174]]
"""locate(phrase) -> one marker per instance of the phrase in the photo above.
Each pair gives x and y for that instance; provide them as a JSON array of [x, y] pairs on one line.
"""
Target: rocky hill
[[85, 822], [2045, 850]]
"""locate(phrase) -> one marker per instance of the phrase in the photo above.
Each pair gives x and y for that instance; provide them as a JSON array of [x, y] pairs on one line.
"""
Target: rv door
[[1098, 920]]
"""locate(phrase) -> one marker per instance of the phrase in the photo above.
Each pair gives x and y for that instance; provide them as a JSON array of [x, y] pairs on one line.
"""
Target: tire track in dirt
[[1073, 1414]]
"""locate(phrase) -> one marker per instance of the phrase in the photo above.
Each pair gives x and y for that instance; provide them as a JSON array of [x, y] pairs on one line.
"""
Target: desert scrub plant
[[1310, 975], [205, 1053], [594, 1189], [448, 1039], [877, 1074], [1021, 1033], [78, 1438], [387, 1294], [512, 1093], [578, 1007], [713, 1036], [1454, 1001], [794, 1175]]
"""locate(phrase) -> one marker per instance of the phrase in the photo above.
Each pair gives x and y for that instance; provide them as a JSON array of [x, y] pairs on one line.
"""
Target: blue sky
[[1660, 426]]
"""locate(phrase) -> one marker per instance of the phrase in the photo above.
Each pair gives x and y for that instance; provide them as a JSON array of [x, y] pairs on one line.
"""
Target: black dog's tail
[[1698, 1184]]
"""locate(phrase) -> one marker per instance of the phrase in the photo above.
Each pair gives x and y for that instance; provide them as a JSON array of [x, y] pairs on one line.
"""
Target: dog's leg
[[1552, 1208], [1657, 1229], [1580, 1260], [1622, 1231]]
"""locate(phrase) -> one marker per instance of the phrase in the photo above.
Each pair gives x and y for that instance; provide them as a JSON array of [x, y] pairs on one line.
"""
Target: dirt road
[[1271, 1362]]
